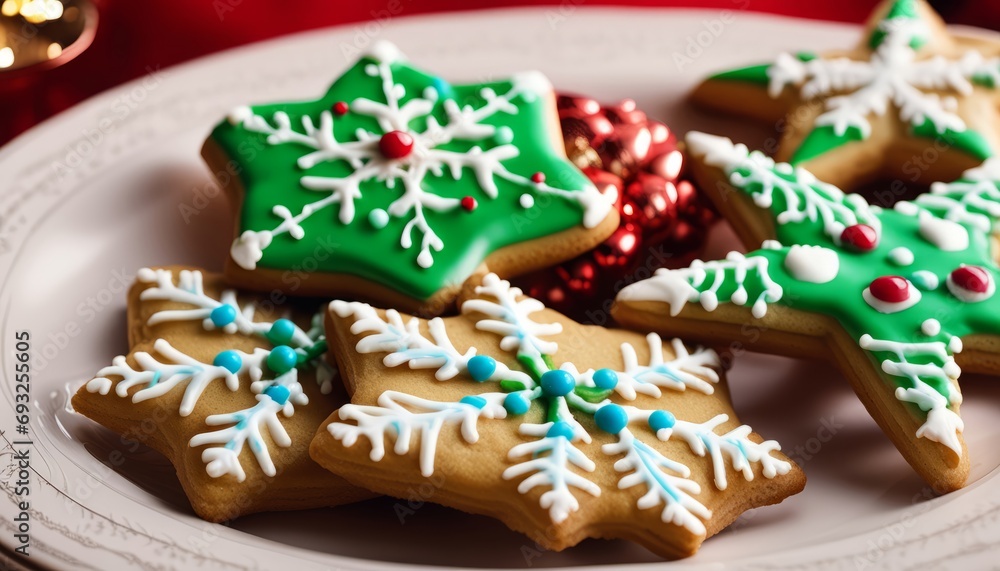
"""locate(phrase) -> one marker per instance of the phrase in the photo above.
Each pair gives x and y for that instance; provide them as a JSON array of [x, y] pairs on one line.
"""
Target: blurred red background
[[135, 34]]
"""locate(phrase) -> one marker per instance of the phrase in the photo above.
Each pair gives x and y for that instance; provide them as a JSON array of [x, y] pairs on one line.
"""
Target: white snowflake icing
[[427, 158], [550, 459], [666, 482], [803, 196], [929, 369], [685, 370], [931, 361], [678, 287], [160, 376], [894, 75], [973, 200]]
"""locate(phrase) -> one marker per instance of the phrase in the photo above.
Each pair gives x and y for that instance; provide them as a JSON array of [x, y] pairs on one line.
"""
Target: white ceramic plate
[[95, 193]]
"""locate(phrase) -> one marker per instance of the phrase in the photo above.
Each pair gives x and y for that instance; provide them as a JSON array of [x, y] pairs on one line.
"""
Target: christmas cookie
[[396, 186], [561, 431], [663, 219], [910, 102], [899, 298], [228, 387]]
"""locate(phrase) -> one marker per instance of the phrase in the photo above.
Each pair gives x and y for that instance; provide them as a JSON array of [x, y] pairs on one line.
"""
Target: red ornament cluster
[[396, 145], [890, 289], [663, 218], [972, 279]]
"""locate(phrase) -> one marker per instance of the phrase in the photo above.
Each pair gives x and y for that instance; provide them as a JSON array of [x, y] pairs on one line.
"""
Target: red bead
[[340, 108], [860, 237], [538, 178], [971, 278], [395, 145], [469, 203], [890, 289]]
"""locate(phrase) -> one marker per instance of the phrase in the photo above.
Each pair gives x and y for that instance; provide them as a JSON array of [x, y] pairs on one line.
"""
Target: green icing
[[967, 141], [966, 202], [749, 74], [901, 9], [823, 139], [271, 178], [756, 73], [986, 79]]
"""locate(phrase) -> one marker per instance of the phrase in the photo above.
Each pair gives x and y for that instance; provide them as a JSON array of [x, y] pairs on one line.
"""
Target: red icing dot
[[538, 178], [861, 237], [395, 145], [890, 289], [971, 278], [469, 203], [340, 108]]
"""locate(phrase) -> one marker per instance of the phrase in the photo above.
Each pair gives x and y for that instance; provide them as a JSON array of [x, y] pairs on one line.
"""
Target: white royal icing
[[947, 235], [971, 296], [893, 307], [814, 264], [901, 256], [406, 175], [550, 458], [892, 78], [677, 287], [936, 361], [930, 327]]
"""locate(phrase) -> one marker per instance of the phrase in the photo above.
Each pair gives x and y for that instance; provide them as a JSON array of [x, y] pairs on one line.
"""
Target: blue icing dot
[[478, 402], [278, 393], [481, 367], [378, 218], [229, 360], [282, 359], [517, 403], [557, 383], [281, 332], [560, 428], [661, 419], [611, 418], [605, 379], [504, 135], [925, 280], [442, 87], [223, 315]]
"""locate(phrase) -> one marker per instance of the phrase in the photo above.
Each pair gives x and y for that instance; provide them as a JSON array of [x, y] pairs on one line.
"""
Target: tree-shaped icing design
[[907, 66], [569, 418], [430, 177], [907, 284], [271, 374]]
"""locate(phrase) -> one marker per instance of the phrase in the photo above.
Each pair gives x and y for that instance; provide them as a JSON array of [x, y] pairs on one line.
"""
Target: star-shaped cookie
[[561, 431], [225, 387], [911, 101], [396, 186], [899, 299]]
